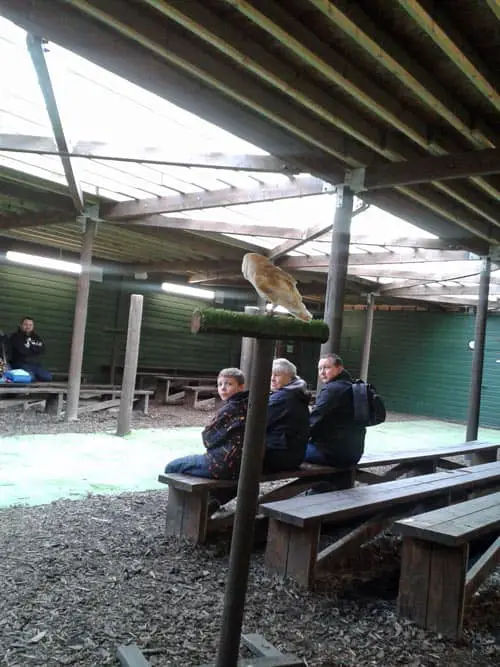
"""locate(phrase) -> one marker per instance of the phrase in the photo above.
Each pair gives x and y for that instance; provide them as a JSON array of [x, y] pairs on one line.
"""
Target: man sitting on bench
[[335, 439], [222, 437], [26, 348]]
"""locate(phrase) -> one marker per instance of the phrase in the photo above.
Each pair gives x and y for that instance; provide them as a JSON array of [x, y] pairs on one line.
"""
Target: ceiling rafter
[[99, 150], [355, 83], [188, 224], [301, 186], [453, 46], [35, 48]]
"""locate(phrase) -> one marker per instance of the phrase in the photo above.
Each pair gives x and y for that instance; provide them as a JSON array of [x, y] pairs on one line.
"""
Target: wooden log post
[[80, 322], [265, 330], [130, 369], [247, 349]]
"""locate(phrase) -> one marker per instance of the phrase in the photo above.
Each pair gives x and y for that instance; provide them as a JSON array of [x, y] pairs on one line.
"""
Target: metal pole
[[130, 367], [247, 349], [367, 344], [80, 322], [246, 508], [474, 404], [337, 269]]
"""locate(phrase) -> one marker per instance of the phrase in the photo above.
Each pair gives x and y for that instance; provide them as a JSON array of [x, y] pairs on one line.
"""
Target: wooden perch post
[[130, 366], [265, 330]]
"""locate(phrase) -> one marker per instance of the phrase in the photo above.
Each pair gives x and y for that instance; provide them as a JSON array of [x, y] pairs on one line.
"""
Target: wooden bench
[[55, 393], [191, 493], [436, 576], [165, 383], [187, 504], [192, 394], [295, 524]]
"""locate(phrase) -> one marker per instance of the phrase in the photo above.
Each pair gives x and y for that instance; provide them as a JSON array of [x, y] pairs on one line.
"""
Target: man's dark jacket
[[25, 348], [332, 427]]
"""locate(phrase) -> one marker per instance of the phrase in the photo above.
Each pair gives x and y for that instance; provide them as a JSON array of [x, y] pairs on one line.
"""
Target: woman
[[287, 430]]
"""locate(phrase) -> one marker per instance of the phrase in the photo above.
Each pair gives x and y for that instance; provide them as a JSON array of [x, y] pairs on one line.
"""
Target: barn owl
[[274, 284]]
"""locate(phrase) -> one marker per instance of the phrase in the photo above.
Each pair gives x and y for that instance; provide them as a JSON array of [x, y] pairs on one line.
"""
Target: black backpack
[[369, 408]]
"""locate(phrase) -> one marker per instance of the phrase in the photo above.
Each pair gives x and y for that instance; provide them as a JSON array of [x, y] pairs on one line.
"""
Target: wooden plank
[[455, 524], [131, 656], [284, 660], [292, 552], [259, 646], [482, 568], [306, 470], [414, 580], [101, 405], [343, 505], [445, 608]]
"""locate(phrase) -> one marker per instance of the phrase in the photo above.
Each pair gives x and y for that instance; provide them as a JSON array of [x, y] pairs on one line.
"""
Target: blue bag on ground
[[369, 408]]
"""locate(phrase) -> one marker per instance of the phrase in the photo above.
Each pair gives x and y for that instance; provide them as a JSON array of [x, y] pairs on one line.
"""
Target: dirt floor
[[80, 577]]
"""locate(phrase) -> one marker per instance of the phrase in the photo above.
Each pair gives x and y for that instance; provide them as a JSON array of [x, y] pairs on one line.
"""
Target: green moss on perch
[[213, 320]]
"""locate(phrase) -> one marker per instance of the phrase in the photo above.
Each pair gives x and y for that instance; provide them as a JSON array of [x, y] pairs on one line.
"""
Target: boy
[[223, 436]]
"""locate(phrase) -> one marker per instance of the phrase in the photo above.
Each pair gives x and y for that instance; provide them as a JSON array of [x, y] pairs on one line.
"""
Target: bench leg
[[432, 585], [291, 551], [162, 391], [187, 514], [190, 399]]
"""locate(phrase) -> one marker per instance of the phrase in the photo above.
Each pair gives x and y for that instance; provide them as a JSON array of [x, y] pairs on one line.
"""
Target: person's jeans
[[39, 374], [195, 464], [315, 455]]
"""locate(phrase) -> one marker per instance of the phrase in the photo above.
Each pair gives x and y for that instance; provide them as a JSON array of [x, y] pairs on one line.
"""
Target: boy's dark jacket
[[333, 430], [223, 437], [288, 420], [25, 348]]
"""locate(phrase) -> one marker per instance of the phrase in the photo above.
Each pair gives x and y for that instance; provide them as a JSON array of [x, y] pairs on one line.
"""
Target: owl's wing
[[275, 285]]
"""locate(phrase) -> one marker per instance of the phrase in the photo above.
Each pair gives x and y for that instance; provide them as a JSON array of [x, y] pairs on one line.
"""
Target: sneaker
[[213, 506]]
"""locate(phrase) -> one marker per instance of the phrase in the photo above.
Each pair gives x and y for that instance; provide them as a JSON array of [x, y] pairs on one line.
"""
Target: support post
[[337, 269], [247, 349], [130, 365], [367, 343], [474, 404], [246, 507], [80, 322]]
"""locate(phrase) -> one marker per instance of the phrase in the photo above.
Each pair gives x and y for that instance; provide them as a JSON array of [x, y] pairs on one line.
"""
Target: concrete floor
[[38, 469]]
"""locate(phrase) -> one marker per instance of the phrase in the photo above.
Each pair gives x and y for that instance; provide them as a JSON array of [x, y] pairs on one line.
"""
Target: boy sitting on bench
[[222, 437]]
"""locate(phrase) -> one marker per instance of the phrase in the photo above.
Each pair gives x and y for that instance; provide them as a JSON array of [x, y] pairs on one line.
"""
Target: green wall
[[420, 361]]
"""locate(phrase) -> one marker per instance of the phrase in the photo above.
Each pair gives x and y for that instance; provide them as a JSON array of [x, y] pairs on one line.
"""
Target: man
[[26, 347], [335, 439], [287, 429]]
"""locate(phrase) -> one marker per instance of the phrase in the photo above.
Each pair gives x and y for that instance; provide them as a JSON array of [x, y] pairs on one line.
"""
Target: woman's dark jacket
[[288, 423], [332, 427], [223, 437]]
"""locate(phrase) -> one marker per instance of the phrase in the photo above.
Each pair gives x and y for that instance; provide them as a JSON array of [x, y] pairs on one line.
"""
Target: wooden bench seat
[[295, 524], [165, 383], [55, 393], [187, 504], [188, 495], [437, 578]]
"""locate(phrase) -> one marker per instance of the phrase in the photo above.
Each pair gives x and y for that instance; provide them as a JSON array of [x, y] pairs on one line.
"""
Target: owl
[[274, 285]]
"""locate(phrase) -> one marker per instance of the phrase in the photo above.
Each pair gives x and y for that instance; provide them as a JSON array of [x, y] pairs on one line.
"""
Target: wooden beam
[[309, 235], [369, 258], [217, 226], [427, 169], [447, 38], [14, 222], [302, 186], [99, 150], [437, 289], [35, 48], [406, 242], [397, 272], [494, 5]]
